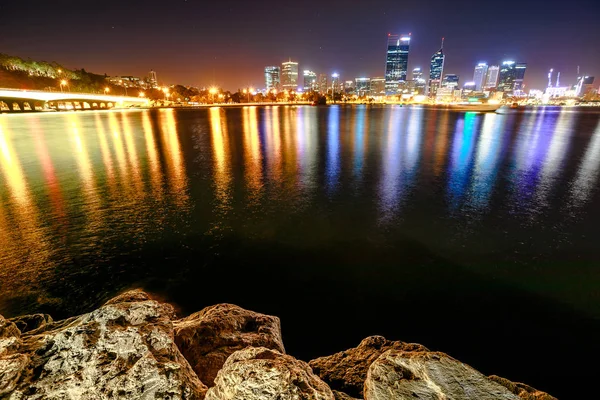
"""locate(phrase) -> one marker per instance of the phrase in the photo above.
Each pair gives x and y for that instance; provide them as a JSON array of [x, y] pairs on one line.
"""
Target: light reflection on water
[[93, 183]]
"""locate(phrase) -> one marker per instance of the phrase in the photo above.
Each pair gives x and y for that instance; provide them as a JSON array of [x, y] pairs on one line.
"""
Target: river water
[[473, 234]]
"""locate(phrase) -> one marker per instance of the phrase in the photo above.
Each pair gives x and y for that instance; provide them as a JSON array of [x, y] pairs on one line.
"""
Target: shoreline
[[221, 352]]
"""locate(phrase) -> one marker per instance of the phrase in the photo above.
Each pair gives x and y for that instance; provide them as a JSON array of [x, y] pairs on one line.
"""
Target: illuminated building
[[470, 87], [491, 80], [450, 81], [310, 81], [272, 77], [363, 86], [335, 83], [584, 86], [417, 73], [349, 87], [479, 75], [152, 80], [511, 77], [289, 75], [436, 69], [396, 65], [378, 86], [520, 69], [323, 83]]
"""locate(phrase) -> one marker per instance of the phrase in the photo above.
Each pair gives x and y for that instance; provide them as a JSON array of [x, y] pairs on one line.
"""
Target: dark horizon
[[229, 43]]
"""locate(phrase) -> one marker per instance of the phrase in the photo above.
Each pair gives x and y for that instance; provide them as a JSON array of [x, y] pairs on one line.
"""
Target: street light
[[63, 83], [106, 90], [142, 94], [166, 92]]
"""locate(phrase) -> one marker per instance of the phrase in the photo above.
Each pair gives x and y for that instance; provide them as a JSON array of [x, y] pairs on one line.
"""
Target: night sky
[[228, 43]]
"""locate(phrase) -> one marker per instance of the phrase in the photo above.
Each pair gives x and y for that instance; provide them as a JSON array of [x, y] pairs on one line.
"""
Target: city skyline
[[191, 46]]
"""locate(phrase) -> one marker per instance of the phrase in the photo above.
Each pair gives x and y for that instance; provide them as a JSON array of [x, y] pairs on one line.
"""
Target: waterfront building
[[152, 80], [362, 86], [289, 75], [479, 75], [450, 81], [378, 86], [323, 83], [584, 86], [310, 81], [272, 77], [396, 65], [436, 69], [520, 69], [335, 83], [349, 87], [417, 73], [507, 77], [491, 80]]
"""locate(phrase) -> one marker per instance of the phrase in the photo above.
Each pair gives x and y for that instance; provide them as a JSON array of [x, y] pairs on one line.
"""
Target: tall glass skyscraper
[[310, 81], [396, 64], [492, 76], [479, 76], [511, 77], [436, 70], [272, 77], [289, 75], [520, 76]]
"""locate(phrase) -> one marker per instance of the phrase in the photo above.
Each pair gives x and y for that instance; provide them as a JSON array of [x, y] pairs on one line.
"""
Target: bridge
[[16, 100]]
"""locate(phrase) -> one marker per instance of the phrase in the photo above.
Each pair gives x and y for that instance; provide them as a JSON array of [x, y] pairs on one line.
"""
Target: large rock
[[29, 323], [346, 371], [258, 373], [10, 337], [208, 337], [429, 375], [123, 350], [522, 390]]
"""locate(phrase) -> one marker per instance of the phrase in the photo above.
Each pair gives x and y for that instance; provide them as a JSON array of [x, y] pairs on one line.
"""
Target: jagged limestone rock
[[207, 338], [258, 373]]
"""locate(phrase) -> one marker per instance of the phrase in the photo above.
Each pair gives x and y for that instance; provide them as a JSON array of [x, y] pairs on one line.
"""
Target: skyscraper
[[436, 69], [491, 80], [520, 69], [479, 76], [289, 75], [310, 81], [335, 83], [511, 77], [378, 86], [396, 65], [363, 86], [152, 81], [450, 81], [272, 77], [323, 83], [417, 73]]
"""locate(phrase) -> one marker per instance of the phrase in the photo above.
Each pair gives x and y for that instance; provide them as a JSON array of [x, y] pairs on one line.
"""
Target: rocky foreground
[[134, 347]]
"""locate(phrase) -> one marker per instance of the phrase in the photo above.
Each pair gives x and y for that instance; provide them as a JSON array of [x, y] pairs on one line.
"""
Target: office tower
[[506, 80], [152, 80], [323, 83], [272, 77], [378, 86], [491, 81], [396, 65], [436, 69], [479, 75], [310, 81], [289, 75], [335, 83], [349, 87], [450, 81], [362, 86], [511, 77], [417, 73], [520, 69]]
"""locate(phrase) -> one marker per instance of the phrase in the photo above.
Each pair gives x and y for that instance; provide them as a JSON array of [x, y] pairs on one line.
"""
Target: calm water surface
[[475, 234]]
